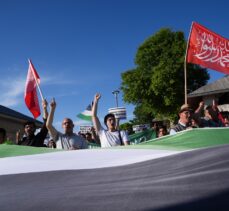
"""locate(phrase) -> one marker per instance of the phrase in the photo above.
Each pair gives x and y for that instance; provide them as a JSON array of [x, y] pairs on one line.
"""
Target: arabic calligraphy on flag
[[208, 49]]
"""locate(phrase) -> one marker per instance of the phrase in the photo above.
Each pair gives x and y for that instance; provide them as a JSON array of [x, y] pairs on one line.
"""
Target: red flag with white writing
[[31, 98], [208, 49]]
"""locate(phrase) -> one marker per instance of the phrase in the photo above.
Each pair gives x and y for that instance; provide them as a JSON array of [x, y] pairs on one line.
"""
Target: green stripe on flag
[[16, 150], [185, 140], [84, 117], [189, 139]]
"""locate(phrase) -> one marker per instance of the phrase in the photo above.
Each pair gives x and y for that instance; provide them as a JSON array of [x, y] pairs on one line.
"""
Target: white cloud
[[58, 85], [12, 90]]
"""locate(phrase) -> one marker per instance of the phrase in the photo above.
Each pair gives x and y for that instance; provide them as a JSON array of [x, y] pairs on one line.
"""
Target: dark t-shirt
[[35, 140]]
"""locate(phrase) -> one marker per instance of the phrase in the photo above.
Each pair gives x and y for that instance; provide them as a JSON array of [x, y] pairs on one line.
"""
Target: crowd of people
[[68, 140], [203, 116], [48, 136]]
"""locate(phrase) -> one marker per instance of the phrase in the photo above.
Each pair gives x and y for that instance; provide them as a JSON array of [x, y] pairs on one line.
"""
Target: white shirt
[[67, 142], [110, 139]]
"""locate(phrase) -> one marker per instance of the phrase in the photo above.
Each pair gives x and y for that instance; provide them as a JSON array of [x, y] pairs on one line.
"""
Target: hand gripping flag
[[31, 98], [86, 114], [208, 49]]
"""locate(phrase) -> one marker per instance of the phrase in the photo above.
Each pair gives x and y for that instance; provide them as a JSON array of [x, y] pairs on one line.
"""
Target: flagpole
[[185, 68], [38, 86]]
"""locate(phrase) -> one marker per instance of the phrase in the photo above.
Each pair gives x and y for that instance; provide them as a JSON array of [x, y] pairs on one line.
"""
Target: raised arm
[[200, 108], [95, 119], [44, 130], [45, 112], [49, 122]]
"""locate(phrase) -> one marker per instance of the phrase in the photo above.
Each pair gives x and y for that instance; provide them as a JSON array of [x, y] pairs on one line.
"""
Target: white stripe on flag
[[87, 113], [86, 159]]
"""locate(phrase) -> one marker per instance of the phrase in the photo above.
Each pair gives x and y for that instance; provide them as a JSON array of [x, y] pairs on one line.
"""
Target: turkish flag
[[208, 49], [31, 98]]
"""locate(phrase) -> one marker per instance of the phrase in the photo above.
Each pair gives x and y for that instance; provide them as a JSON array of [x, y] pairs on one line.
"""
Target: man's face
[[29, 129], [111, 123], [161, 132], [67, 125], [185, 117]]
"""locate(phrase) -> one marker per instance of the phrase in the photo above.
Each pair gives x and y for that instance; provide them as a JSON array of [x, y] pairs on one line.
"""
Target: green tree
[[127, 127], [156, 85]]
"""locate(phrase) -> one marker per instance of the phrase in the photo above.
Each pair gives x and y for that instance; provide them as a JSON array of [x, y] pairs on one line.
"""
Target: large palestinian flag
[[186, 171]]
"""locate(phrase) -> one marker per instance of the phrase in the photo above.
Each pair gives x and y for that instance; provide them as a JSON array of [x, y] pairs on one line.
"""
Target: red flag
[[208, 49], [31, 98]]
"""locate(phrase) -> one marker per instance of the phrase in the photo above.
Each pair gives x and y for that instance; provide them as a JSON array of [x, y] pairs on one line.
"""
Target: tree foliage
[[156, 85], [127, 127]]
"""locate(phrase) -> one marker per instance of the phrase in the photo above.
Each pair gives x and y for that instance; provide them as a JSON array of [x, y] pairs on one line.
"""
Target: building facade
[[12, 121]]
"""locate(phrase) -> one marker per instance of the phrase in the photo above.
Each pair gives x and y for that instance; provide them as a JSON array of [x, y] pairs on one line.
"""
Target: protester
[[155, 126], [89, 138], [68, 140], [196, 121], [211, 118], [111, 136], [226, 122], [29, 138], [2, 135], [94, 136], [184, 119], [162, 131], [199, 110]]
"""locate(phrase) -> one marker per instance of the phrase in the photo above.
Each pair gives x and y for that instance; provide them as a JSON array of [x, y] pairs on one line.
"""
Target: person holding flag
[[32, 102], [29, 138]]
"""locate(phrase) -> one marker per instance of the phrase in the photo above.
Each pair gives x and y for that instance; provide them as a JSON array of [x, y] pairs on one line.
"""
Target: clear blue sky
[[80, 47]]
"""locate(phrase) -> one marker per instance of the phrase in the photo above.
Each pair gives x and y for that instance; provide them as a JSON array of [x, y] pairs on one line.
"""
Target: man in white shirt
[[111, 136]]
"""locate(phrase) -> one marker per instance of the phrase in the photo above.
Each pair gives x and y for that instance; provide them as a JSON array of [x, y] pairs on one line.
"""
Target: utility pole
[[115, 93]]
